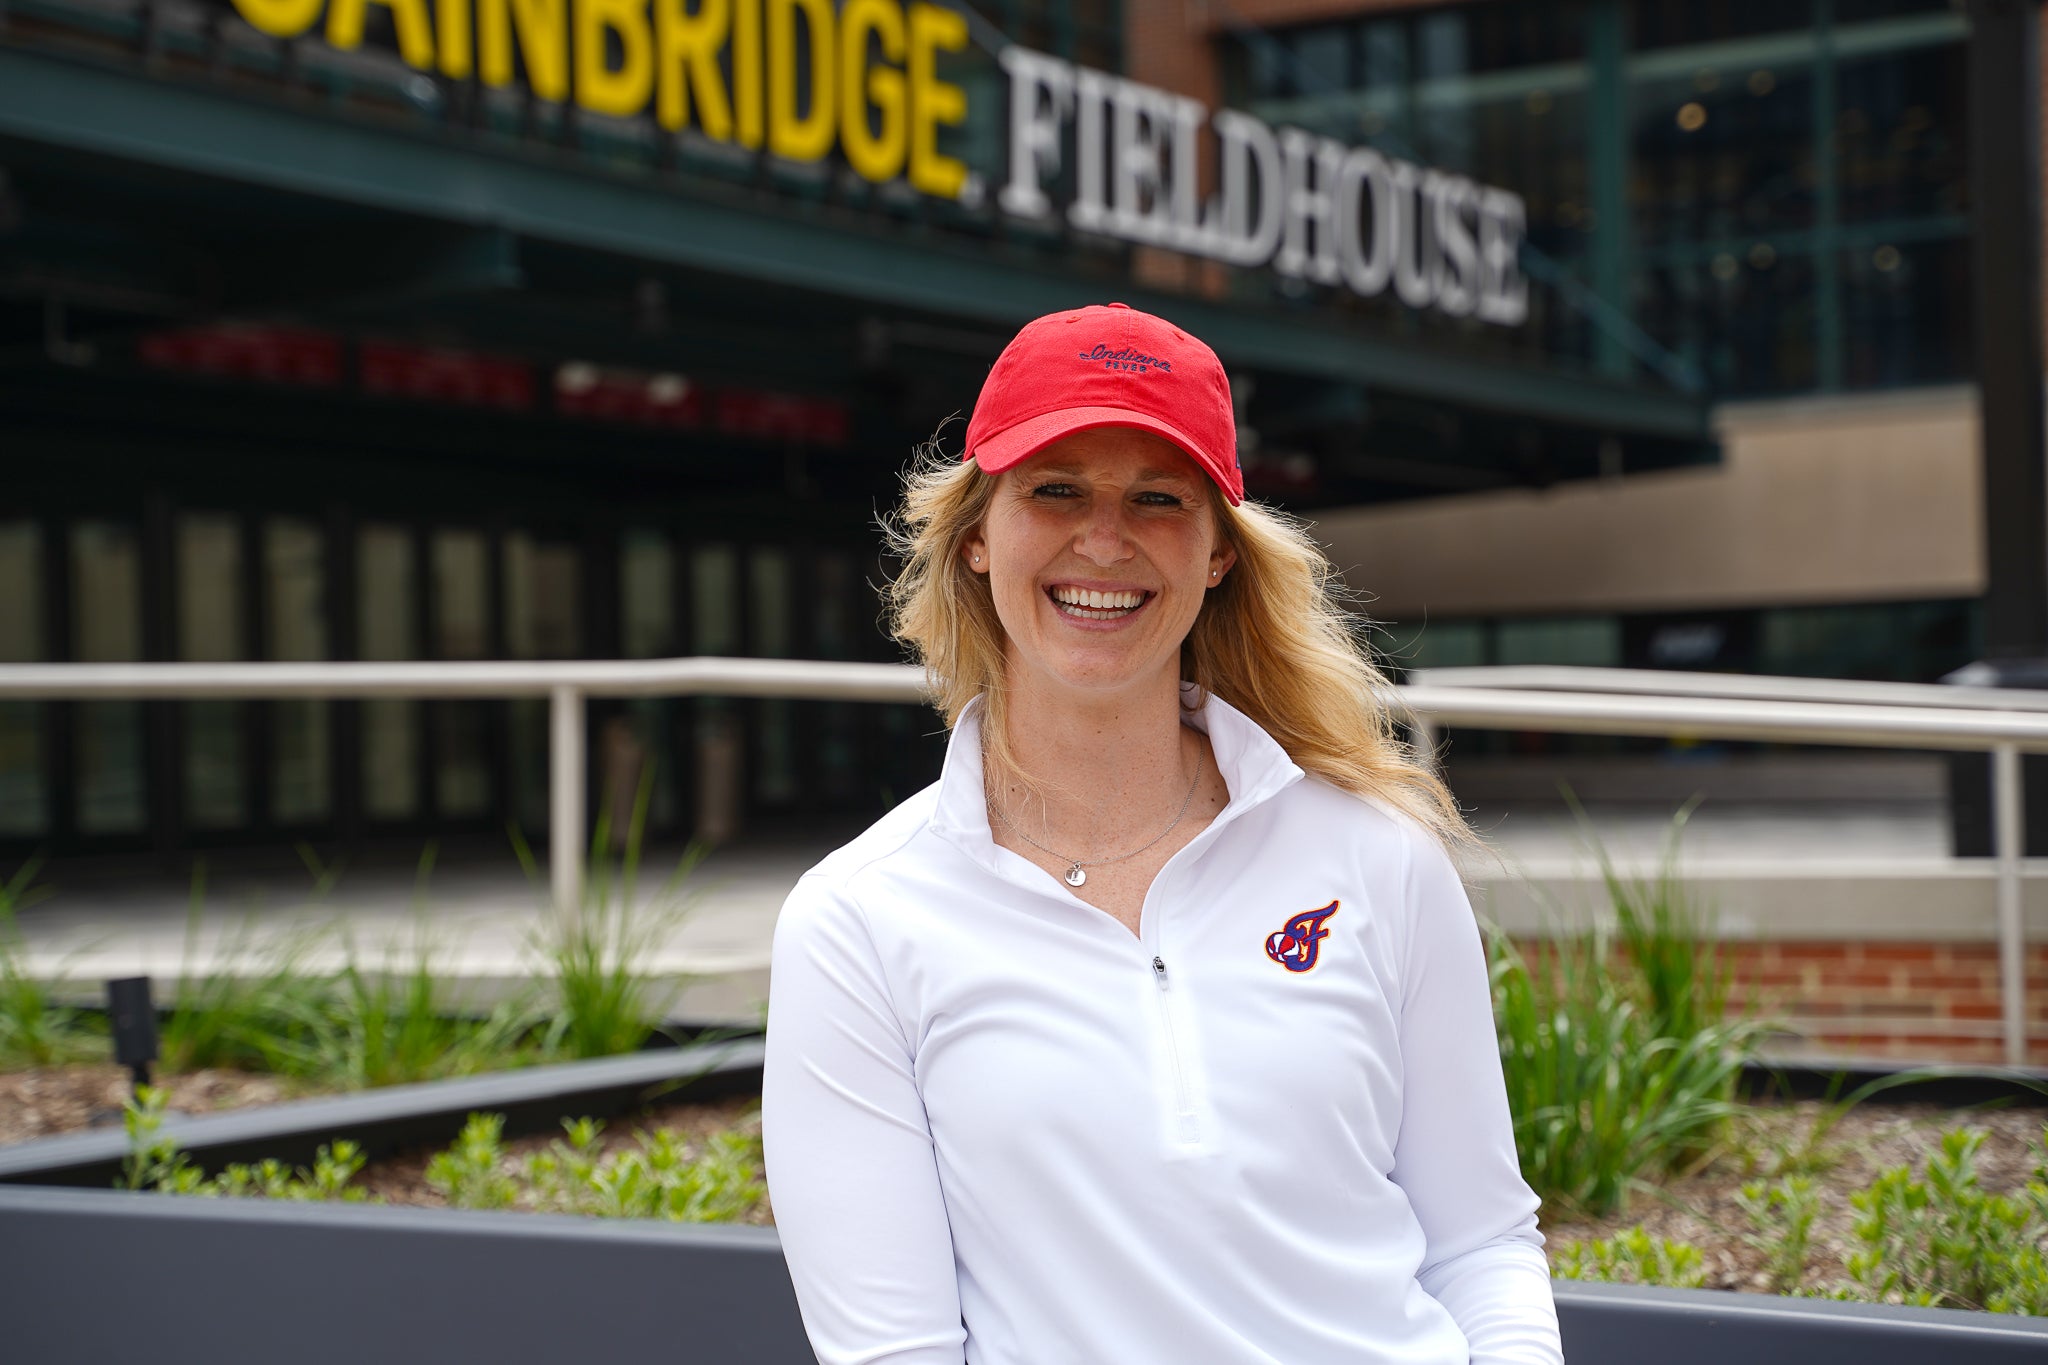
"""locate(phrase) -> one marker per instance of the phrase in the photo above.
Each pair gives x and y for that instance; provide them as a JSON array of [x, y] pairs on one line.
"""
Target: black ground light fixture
[[133, 1018]]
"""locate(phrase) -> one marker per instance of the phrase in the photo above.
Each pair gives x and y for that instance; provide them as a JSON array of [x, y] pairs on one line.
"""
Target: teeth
[[1094, 600]]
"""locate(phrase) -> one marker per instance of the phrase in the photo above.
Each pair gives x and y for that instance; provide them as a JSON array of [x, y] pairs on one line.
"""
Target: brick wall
[[1931, 1001], [1912, 1001]]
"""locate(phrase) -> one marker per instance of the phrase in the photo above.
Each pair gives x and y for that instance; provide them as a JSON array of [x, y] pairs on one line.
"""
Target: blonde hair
[[1272, 640]]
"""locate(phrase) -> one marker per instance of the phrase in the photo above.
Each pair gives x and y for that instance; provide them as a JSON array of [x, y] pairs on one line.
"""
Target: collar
[[1255, 768]]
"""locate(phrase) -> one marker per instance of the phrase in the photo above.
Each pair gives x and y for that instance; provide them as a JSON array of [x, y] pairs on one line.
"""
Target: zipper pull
[[1159, 970]]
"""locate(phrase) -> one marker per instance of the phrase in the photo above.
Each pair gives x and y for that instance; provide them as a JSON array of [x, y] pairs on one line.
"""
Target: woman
[[1157, 1030]]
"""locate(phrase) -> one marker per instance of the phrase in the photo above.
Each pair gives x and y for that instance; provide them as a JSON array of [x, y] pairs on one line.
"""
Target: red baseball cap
[[1106, 366]]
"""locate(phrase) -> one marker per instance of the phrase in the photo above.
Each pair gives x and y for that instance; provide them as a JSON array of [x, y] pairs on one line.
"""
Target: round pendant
[[1075, 876]]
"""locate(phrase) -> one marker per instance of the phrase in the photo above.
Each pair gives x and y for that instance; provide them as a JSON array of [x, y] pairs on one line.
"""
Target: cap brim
[[1006, 448]]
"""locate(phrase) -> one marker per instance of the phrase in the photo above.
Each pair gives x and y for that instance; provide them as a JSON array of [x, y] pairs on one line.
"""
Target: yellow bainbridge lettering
[[933, 101], [599, 88], [800, 138], [876, 156], [455, 56], [687, 47], [280, 18], [795, 76], [409, 17], [543, 28], [746, 70]]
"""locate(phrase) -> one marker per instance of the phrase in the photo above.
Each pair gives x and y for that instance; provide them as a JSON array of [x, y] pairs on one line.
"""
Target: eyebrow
[[1143, 473]]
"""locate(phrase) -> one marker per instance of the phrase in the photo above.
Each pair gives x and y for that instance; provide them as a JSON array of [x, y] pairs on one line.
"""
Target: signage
[[733, 69], [448, 376], [803, 79], [1307, 206]]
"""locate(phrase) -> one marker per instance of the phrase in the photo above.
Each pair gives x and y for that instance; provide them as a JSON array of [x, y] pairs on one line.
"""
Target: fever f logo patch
[[1297, 946]]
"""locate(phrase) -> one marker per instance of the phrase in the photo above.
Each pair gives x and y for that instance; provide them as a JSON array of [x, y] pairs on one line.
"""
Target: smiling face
[[1099, 551]]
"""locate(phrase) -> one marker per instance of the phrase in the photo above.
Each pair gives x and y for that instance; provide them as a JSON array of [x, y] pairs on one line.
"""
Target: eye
[[1160, 499], [1055, 490]]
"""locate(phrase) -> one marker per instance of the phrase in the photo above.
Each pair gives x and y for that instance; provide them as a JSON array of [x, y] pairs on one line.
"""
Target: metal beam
[[2005, 193], [222, 134]]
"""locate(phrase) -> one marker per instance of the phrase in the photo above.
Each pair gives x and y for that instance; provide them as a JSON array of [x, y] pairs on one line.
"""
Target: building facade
[[1607, 331]]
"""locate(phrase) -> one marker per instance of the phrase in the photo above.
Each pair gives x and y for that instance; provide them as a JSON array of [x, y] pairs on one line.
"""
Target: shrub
[[658, 1176], [1945, 1242], [1631, 1257], [1782, 1215], [1941, 1241], [154, 1162]]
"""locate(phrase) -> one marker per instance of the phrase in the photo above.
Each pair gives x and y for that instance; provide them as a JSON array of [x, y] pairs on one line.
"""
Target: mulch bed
[[65, 1099], [1702, 1209]]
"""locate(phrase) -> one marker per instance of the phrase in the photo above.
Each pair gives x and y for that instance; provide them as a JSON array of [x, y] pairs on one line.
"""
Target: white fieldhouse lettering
[[1309, 206], [1001, 1130]]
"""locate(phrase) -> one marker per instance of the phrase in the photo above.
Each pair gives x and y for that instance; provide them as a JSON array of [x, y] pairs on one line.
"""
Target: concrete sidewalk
[[1876, 871]]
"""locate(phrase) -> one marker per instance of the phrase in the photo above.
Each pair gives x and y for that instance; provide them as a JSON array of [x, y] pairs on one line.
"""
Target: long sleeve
[[849, 1150], [1455, 1153]]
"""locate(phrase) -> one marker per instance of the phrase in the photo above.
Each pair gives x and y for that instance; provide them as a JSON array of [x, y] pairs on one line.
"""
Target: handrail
[[1850, 714], [1755, 687], [687, 677], [1890, 727]]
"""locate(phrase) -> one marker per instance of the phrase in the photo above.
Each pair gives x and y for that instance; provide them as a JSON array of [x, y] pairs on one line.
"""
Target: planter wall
[[92, 1275], [532, 1099]]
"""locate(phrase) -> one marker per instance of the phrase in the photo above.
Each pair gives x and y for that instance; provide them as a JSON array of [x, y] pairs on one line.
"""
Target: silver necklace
[[1074, 876]]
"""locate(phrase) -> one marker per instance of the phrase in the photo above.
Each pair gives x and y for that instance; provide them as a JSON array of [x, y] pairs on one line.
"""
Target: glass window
[[24, 798], [1439, 644], [1902, 130], [839, 598], [1906, 313], [295, 631], [106, 627], [387, 628], [1789, 181], [461, 607], [1745, 317], [714, 600], [647, 581], [461, 595], [541, 622], [769, 602], [1885, 642], [646, 734], [1592, 641], [211, 629], [1723, 142]]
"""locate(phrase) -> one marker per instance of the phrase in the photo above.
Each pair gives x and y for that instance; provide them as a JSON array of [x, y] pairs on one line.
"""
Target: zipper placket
[[1187, 1124]]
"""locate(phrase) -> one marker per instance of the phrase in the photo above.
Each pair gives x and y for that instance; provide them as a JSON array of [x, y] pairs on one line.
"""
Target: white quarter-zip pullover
[[1002, 1130]]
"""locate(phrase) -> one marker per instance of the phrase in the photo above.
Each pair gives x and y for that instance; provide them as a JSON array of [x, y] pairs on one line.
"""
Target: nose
[[1100, 537]]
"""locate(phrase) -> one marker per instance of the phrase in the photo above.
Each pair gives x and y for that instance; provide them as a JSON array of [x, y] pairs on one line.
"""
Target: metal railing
[[1821, 713], [1659, 683]]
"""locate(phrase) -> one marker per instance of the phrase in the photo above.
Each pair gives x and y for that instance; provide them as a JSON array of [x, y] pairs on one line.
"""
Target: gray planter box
[[90, 1275], [97, 1275]]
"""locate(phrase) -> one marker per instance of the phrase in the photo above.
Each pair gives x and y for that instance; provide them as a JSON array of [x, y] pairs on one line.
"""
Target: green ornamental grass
[[594, 955], [35, 1030], [1621, 1068]]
